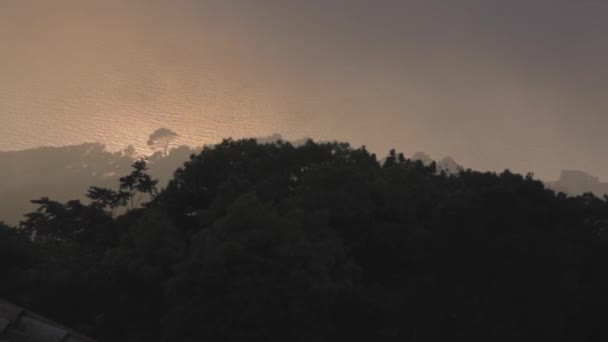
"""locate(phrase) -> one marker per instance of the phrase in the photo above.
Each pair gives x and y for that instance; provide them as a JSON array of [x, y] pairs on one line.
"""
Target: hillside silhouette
[[276, 241], [65, 173], [576, 182]]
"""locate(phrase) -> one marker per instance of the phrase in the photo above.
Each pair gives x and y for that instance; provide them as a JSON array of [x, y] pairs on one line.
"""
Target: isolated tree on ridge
[[162, 138]]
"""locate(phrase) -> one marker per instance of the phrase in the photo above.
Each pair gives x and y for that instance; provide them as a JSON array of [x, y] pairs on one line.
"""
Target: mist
[[492, 84]]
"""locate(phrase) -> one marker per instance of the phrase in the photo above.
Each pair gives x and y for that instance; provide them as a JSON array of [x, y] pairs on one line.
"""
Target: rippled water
[[122, 106]]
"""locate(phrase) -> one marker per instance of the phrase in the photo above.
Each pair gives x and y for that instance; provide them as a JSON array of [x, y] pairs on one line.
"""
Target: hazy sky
[[492, 83]]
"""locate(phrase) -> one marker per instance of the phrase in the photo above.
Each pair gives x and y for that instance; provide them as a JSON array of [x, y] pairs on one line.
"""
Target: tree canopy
[[316, 242]]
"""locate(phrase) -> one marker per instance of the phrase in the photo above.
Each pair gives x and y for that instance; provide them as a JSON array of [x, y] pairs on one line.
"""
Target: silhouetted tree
[[162, 138], [108, 198], [138, 181]]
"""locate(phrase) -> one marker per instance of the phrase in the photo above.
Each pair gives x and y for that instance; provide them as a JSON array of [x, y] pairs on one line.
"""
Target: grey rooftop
[[20, 325]]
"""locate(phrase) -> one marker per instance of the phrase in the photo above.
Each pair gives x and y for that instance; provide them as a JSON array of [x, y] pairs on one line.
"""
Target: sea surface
[[123, 106]]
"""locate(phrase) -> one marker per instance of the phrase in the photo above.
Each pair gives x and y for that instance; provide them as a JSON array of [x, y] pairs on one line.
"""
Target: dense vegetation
[[320, 242]]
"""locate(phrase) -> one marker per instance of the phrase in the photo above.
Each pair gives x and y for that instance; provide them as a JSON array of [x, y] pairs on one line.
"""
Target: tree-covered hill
[[316, 242]]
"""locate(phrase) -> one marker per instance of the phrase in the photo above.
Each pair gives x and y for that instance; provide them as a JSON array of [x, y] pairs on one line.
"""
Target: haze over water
[[494, 84]]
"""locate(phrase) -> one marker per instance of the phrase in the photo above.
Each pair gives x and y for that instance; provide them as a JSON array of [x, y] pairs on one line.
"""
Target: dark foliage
[[320, 242]]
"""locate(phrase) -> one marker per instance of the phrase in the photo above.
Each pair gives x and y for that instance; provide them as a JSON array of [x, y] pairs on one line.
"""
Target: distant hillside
[[447, 164], [64, 173], [574, 182], [571, 182]]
